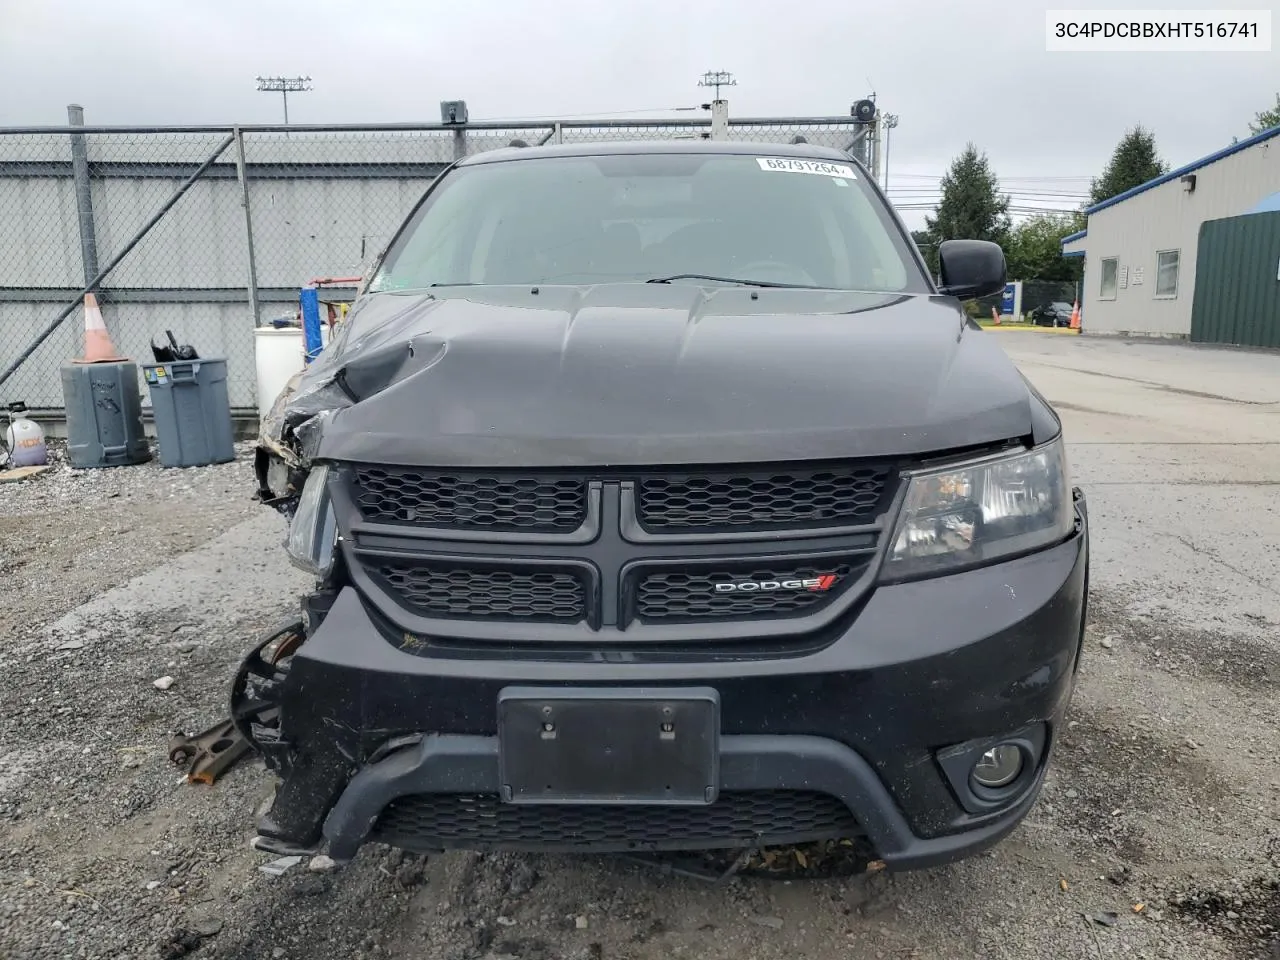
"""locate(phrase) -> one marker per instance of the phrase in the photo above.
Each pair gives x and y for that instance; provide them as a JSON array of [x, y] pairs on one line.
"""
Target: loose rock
[[206, 925], [1119, 874]]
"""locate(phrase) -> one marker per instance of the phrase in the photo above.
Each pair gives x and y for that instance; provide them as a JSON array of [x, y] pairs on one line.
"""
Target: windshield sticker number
[[820, 167]]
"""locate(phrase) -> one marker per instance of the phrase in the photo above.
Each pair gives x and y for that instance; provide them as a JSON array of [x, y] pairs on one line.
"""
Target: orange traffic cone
[[1075, 315], [98, 347]]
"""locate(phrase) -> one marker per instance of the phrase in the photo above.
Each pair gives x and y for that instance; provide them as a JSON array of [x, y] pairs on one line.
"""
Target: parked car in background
[[1055, 314]]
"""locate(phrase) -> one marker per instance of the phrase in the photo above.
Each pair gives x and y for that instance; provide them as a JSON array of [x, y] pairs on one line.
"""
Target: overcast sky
[[952, 71]]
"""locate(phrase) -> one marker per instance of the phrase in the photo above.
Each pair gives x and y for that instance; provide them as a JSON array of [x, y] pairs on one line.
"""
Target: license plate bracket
[[609, 745]]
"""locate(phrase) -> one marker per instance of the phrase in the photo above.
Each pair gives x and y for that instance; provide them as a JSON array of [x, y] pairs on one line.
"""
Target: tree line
[[972, 206]]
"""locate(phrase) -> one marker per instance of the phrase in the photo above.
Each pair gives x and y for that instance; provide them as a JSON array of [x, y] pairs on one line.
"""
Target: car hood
[[633, 374]]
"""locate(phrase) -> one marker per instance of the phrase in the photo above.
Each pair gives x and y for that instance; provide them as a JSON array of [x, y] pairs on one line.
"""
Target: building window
[[1110, 270], [1167, 273]]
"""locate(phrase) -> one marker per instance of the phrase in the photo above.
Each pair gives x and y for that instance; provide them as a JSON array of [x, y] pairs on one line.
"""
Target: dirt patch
[[69, 534], [1121, 776], [1245, 913], [1245, 662]]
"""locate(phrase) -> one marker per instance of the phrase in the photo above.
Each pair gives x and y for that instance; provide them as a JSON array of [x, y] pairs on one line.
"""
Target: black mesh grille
[[744, 818], [470, 502], [836, 496], [672, 595], [438, 590]]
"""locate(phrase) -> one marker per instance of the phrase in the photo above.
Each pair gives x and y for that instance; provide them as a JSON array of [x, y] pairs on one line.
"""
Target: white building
[[1140, 247]]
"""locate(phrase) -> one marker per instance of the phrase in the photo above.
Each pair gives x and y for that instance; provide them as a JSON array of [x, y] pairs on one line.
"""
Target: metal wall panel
[[1237, 298], [38, 232]]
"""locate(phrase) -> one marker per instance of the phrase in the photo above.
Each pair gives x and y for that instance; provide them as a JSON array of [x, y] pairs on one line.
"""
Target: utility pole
[[284, 86], [719, 108], [890, 121]]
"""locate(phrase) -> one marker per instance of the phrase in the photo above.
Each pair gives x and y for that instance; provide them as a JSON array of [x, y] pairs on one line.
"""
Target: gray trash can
[[192, 412], [104, 414]]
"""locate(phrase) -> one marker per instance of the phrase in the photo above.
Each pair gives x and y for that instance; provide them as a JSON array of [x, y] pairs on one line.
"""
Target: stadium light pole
[[284, 86]]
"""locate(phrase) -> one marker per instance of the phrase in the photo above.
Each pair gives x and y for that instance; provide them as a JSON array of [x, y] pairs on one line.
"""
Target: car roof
[[806, 151]]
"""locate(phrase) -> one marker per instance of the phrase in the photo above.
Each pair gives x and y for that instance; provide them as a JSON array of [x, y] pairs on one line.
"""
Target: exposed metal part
[[255, 708], [281, 849], [210, 753], [693, 867], [255, 716]]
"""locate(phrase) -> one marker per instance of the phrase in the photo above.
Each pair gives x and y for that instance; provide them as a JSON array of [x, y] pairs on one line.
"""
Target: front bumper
[[925, 669]]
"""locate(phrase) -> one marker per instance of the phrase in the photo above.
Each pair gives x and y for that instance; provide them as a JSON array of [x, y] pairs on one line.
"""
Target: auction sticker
[[821, 167]]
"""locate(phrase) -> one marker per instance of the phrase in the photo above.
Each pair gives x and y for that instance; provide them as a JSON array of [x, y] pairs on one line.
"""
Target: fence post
[[459, 142], [241, 174], [719, 119], [559, 134], [84, 194]]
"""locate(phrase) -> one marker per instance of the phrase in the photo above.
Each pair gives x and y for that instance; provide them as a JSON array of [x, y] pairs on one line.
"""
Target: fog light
[[998, 767]]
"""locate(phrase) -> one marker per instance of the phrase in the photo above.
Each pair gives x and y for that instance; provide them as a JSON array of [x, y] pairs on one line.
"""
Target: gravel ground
[[1165, 795]]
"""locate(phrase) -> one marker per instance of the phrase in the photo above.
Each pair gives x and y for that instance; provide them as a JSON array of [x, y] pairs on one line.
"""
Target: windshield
[[601, 219]]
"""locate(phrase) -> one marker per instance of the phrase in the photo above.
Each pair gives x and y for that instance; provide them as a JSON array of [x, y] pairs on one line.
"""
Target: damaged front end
[[291, 475], [288, 438], [370, 352]]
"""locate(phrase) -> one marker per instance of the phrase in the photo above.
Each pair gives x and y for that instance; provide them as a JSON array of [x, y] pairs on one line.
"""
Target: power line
[[939, 176], [1012, 209], [1024, 197]]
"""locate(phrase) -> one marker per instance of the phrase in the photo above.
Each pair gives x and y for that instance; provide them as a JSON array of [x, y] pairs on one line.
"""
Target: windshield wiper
[[734, 280]]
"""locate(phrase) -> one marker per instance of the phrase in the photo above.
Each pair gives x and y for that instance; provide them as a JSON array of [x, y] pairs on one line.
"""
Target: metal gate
[[1237, 296]]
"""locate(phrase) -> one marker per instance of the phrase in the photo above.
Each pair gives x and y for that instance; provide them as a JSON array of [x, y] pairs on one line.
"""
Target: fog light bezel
[[957, 764]]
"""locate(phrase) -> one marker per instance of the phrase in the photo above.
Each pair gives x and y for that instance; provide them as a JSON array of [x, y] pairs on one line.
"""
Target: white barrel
[[279, 353], [25, 441]]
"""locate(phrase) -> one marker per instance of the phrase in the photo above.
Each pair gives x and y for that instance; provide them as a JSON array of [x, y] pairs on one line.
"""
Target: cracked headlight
[[971, 514], [313, 529]]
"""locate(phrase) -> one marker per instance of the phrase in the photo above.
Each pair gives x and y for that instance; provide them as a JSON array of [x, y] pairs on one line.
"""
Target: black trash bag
[[174, 351]]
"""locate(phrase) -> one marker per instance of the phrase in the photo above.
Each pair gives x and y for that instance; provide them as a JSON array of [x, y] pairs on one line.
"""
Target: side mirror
[[971, 268]]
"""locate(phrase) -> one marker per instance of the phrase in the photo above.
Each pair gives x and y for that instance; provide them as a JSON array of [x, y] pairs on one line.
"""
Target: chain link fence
[[1044, 293], [210, 232], [1036, 294]]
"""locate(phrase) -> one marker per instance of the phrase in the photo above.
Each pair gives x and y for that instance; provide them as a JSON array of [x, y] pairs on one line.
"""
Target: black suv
[[658, 498]]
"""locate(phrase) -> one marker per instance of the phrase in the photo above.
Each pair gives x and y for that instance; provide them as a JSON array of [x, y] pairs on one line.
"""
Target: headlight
[[975, 513], [313, 530]]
